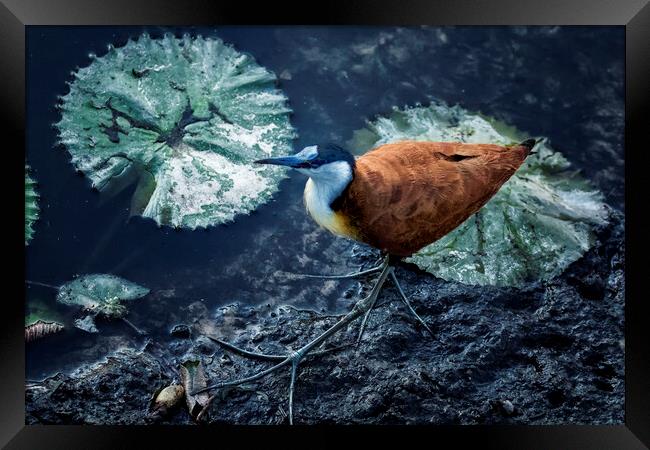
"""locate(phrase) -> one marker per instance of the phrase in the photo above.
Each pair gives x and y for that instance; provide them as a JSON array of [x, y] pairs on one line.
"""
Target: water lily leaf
[[100, 294], [87, 324], [183, 118], [31, 206], [539, 222]]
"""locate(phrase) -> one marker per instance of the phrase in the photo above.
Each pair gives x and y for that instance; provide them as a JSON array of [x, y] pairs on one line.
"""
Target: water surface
[[565, 83]]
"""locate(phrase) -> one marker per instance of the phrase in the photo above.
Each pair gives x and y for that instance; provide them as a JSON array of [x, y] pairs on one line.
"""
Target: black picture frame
[[634, 15]]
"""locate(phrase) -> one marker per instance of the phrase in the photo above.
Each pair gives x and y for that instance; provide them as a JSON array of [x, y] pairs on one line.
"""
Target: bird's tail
[[529, 144]]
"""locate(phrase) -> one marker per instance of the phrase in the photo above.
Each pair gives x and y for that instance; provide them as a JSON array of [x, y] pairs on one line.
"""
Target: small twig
[[136, 329], [200, 415], [221, 394], [38, 283]]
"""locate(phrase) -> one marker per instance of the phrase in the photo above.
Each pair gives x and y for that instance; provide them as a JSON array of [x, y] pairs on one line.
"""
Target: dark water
[[565, 83]]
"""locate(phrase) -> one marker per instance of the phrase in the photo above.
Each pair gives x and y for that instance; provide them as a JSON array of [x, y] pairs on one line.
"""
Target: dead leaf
[[193, 378]]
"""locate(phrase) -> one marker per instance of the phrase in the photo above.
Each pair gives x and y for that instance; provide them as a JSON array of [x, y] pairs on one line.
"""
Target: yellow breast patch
[[321, 212], [340, 225]]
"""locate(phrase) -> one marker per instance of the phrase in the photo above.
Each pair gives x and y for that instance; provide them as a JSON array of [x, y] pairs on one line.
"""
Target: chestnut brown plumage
[[409, 194]]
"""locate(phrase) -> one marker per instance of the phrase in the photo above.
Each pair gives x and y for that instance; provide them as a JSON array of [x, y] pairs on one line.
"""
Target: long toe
[[247, 353], [407, 303], [337, 277]]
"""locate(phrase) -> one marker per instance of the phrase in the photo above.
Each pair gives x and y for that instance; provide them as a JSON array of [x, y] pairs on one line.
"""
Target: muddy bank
[[550, 353]]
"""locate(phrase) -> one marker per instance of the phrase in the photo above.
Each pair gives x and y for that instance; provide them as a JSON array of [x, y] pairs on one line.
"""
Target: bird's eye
[[305, 165]]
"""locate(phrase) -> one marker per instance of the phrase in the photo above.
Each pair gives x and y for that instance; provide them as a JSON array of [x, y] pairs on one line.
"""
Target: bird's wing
[[408, 194]]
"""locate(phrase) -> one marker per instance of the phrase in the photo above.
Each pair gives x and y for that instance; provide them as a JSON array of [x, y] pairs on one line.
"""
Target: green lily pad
[[182, 118], [87, 324], [539, 222], [31, 206], [101, 294]]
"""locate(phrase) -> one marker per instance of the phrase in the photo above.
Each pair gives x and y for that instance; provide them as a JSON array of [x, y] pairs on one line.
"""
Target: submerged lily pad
[[183, 117], [539, 222], [31, 206], [101, 294], [39, 309], [87, 324]]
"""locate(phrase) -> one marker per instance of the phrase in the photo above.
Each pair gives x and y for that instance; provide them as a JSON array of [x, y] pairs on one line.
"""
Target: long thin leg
[[267, 357], [362, 328], [405, 300], [360, 308], [339, 277]]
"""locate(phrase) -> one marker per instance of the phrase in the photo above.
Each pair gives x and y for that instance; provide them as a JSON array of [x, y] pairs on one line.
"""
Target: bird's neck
[[328, 183], [322, 189]]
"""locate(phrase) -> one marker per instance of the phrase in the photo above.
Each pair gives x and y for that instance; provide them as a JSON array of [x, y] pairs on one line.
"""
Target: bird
[[398, 198]]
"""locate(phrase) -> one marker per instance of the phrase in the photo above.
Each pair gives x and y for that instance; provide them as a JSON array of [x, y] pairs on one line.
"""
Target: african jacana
[[397, 198]]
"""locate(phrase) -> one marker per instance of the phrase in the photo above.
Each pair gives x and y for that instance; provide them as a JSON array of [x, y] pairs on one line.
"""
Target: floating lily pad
[[183, 118], [539, 222], [31, 206], [87, 324], [101, 294]]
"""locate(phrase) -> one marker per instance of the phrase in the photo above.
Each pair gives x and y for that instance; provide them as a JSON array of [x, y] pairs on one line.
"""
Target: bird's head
[[320, 162]]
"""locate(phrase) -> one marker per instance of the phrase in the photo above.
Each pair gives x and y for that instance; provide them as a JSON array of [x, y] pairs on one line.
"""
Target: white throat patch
[[325, 184]]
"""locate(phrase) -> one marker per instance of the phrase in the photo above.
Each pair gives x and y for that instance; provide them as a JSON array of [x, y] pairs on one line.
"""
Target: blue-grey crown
[[329, 153], [312, 157]]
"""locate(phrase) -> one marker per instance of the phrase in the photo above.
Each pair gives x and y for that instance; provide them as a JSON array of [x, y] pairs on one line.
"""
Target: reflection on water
[[565, 83]]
